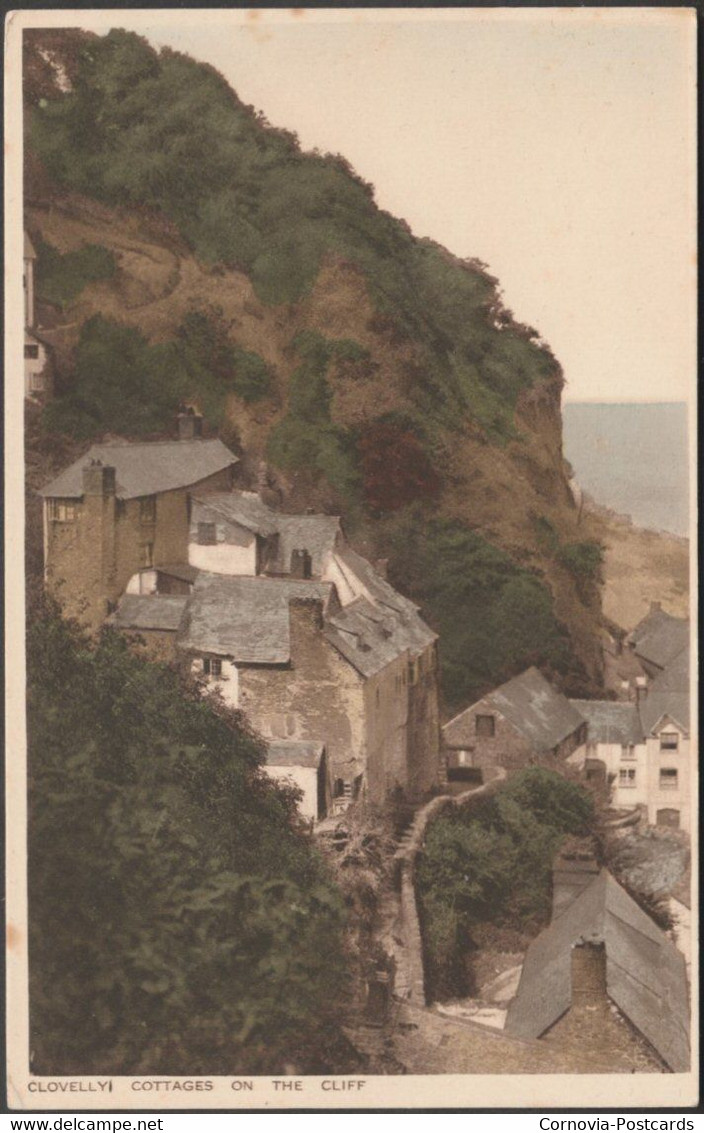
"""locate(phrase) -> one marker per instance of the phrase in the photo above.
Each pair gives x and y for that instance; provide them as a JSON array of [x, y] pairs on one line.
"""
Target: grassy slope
[[443, 356]]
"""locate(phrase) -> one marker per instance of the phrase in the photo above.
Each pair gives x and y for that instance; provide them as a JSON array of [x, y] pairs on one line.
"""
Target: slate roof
[[244, 618], [150, 611], [245, 509], [668, 695], [294, 753], [645, 973], [143, 469], [610, 721], [367, 637], [411, 631], [659, 637], [541, 714], [318, 534], [184, 571]]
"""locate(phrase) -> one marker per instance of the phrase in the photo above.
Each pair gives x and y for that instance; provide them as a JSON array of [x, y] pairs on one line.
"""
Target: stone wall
[[506, 748], [406, 858], [424, 726]]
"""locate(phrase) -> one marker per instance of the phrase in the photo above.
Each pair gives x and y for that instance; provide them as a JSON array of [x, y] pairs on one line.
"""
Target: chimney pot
[[190, 425], [382, 568], [98, 479]]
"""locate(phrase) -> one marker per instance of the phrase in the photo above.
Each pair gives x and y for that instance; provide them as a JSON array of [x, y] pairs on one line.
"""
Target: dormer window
[[31, 350], [207, 536], [669, 741]]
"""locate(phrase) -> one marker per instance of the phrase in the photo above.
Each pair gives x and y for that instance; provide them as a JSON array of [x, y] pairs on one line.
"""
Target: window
[[669, 741], [212, 666], [206, 534], [668, 778], [36, 383], [147, 509], [463, 758], [62, 511], [146, 551], [627, 777], [485, 725], [31, 350], [628, 751]]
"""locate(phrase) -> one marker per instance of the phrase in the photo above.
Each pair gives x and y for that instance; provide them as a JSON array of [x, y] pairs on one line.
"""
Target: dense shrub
[[121, 383], [162, 131], [584, 560], [60, 277], [494, 617], [395, 467], [176, 910], [493, 864]]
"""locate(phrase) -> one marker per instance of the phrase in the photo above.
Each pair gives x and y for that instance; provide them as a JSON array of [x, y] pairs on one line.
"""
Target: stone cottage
[[524, 721], [643, 747], [274, 611], [604, 977], [123, 508]]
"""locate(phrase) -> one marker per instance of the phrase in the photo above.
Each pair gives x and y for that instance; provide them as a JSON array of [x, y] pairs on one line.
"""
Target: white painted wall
[[234, 553], [29, 292], [144, 582], [306, 779], [678, 798], [35, 380], [227, 683]]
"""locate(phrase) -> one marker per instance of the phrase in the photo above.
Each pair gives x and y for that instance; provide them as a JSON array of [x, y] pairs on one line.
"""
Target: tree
[[176, 908]]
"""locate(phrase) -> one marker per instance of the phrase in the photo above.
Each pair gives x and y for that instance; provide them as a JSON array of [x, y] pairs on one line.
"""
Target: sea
[[632, 458]]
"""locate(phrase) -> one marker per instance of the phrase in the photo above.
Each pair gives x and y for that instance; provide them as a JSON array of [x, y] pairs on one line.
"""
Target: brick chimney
[[381, 566], [98, 566], [190, 425], [588, 970]]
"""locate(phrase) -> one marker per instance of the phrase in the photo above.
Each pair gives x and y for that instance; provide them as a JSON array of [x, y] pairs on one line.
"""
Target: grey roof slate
[[659, 637], [645, 973], [183, 571], [245, 509], [541, 714], [143, 469], [367, 637], [150, 611], [411, 630], [317, 534], [294, 753], [610, 721], [244, 618], [668, 695]]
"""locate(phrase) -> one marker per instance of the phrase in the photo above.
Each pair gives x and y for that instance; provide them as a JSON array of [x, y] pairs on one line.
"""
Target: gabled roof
[[146, 468], [317, 534], [150, 611], [645, 973], [659, 637], [294, 753], [244, 618], [366, 636], [242, 508], [610, 721], [410, 627], [541, 714], [668, 695]]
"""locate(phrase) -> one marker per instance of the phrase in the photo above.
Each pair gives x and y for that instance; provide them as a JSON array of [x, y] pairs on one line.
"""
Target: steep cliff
[[189, 251]]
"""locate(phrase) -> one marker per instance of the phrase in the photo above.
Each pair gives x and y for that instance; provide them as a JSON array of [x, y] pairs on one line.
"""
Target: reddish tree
[[396, 469]]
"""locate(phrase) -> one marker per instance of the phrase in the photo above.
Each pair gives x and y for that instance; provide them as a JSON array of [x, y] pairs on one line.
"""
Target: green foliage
[[162, 131], [584, 560], [123, 384], [493, 864], [494, 617], [306, 438], [60, 277], [176, 908]]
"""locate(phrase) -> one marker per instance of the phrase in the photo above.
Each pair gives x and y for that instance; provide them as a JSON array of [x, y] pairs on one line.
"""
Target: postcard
[[350, 508]]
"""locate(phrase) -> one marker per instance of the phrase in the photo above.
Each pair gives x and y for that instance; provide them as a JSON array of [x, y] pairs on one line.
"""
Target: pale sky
[[558, 146]]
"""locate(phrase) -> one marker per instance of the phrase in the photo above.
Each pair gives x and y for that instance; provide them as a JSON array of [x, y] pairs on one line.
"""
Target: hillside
[[190, 251]]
